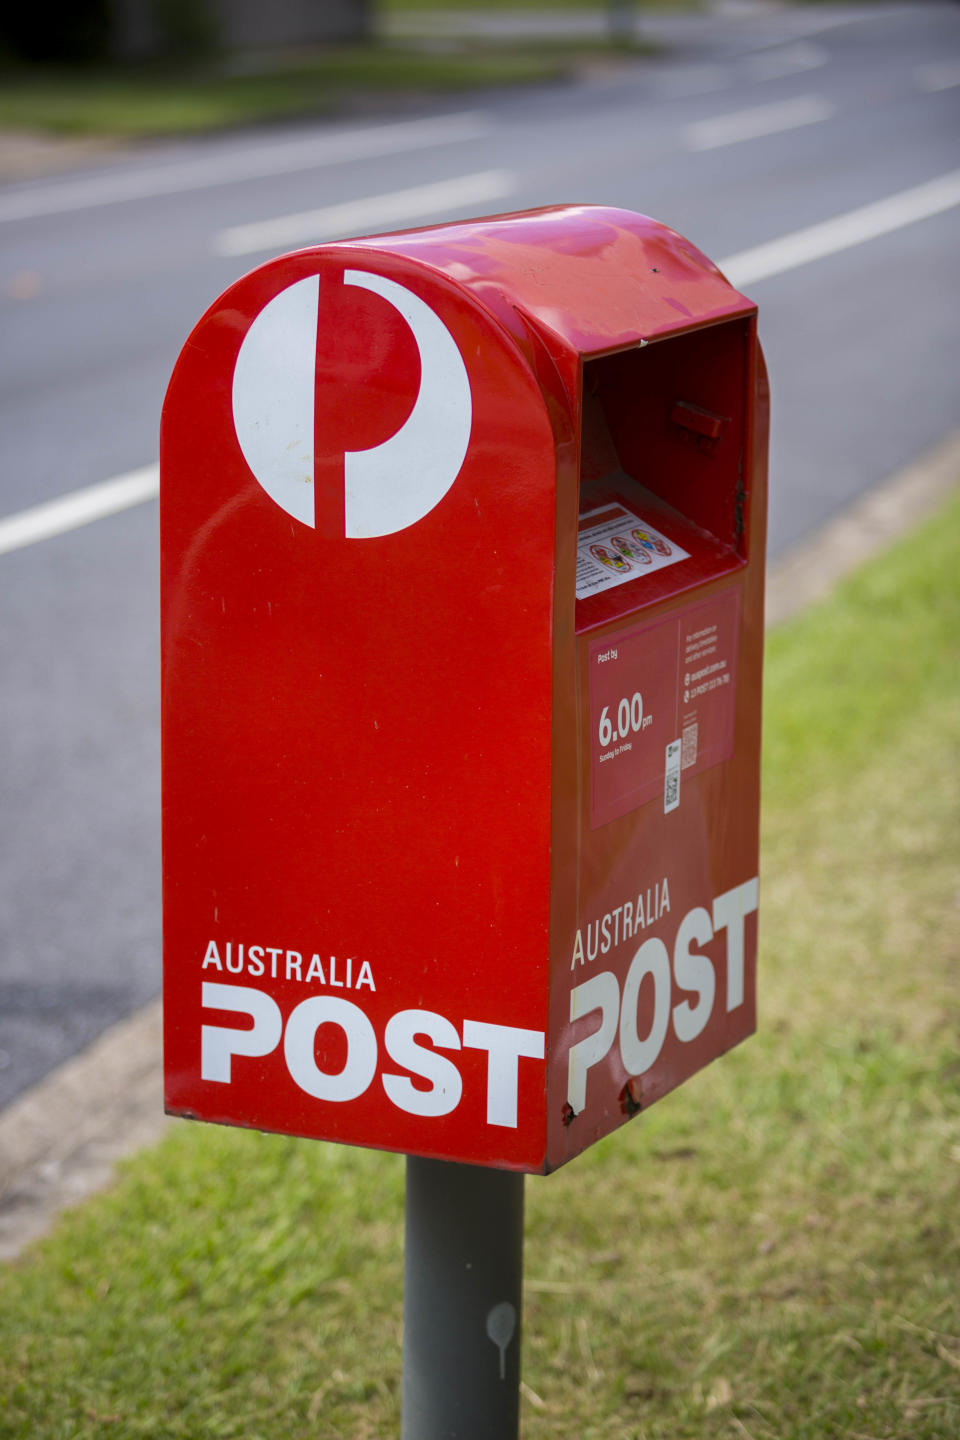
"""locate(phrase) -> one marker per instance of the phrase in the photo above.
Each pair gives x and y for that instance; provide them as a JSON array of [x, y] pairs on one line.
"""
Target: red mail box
[[463, 554]]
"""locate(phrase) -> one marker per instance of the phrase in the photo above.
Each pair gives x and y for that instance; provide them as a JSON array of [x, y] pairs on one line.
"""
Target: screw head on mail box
[[463, 550]]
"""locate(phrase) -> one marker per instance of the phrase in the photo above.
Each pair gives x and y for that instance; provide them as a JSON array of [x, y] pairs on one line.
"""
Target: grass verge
[[155, 99], [773, 1251]]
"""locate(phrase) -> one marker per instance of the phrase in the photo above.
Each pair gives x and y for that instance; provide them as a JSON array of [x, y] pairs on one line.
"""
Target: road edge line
[[78, 508]]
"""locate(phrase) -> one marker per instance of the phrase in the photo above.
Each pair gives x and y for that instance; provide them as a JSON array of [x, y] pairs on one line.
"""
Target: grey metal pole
[[463, 1275], [620, 19]]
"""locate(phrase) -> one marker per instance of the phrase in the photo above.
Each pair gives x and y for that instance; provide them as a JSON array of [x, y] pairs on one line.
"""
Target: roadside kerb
[[60, 1141]]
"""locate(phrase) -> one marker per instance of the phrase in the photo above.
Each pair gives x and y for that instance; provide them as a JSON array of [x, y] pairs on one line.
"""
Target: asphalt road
[[758, 126]]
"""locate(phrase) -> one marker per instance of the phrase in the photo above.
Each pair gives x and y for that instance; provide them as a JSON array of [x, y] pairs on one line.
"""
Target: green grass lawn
[[772, 1251]]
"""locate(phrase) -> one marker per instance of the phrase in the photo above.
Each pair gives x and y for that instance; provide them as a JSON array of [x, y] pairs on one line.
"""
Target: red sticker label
[[661, 706]]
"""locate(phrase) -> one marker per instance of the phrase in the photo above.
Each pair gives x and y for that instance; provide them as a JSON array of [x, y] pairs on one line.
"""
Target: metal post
[[620, 19], [461, 1305]]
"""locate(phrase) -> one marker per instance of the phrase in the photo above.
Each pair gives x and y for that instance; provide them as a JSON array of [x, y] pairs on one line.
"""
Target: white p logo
[[387, 487]]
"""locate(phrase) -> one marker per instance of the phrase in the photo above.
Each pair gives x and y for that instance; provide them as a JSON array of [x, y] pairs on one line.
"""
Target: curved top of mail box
[[593, 278]]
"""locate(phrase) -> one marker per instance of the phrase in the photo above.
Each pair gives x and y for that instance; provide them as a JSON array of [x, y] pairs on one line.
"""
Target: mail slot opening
[[662, 493]]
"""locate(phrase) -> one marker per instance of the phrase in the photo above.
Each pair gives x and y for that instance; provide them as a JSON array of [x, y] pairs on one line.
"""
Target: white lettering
[[218, 1043], [287, 964], [730, 910], [212, 957], [693, 971], [298, 1047], [577, 951], [601, 992], [505, 1044], [401, 1042], [638, 1055]]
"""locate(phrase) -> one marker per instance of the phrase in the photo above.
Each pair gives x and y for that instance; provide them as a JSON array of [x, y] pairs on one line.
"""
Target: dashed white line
[[759, 120], [357, 216], [935, 77], [230, 166], [843, 231], [80, 507], [785, 60]]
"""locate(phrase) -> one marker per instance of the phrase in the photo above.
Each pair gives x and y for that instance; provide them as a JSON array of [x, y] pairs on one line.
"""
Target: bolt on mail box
[[463, 553]]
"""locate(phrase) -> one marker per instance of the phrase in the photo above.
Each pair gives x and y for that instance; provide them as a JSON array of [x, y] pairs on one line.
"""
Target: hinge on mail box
[[703, 427]]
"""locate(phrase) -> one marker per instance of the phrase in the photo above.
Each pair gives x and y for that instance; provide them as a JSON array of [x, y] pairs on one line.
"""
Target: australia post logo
[[352, 404]]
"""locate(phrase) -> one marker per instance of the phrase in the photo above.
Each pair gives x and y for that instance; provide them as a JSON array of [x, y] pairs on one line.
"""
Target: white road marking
[[358, 216], [744, 268], [785, 60], [943, 76], [229, 167], [843, 231], [69, 512], [757, 121], [687, 81]]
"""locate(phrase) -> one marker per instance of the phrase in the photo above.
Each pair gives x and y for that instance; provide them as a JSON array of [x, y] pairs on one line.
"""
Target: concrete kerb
[[30, 155], [61, 1140]]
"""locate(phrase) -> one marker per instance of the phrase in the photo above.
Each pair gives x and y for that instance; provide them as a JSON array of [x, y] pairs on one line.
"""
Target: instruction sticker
[[615, 545], [662, 706]]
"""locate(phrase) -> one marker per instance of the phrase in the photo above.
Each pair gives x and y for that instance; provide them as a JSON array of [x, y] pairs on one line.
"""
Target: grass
[[772, 1251], [163, 99]]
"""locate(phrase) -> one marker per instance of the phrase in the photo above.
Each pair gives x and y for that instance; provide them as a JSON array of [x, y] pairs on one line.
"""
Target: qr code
[[671, 777], [691, 737]]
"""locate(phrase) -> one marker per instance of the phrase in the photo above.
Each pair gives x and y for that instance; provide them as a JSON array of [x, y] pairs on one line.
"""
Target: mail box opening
[[662, 491]]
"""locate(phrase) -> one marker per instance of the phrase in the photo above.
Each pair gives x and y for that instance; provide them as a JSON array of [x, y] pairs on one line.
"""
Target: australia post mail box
[[463, 539]]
